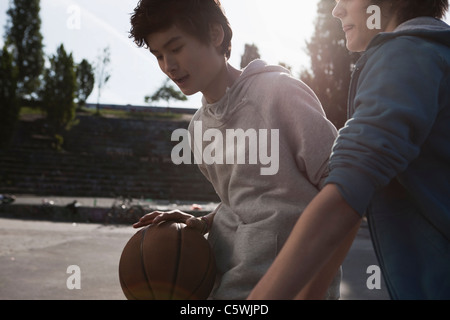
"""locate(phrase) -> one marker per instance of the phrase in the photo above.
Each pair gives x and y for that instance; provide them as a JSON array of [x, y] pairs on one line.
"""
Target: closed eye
[[178, 49]]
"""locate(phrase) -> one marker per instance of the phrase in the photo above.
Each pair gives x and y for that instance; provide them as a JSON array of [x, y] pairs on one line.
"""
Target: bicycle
[[124, 211]]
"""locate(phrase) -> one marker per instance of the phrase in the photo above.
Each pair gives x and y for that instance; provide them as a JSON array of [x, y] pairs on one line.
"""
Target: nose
[[170, 65], [339, 10]]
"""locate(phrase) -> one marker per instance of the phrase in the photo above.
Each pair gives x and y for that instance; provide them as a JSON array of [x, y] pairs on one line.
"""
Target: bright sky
[[278, 28]]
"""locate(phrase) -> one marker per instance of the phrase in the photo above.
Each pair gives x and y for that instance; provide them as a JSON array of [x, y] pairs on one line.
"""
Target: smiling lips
[[347, 28], [181, 81]]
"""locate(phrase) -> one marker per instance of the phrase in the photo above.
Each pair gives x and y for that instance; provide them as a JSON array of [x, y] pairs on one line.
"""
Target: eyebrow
[[168, 43]]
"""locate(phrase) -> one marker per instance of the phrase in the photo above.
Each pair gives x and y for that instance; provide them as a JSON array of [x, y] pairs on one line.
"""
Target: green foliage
[[85, 82], [24, 79], [9, 107], [58, 141], [137, 115], [167, 92], [102, 72], [24, 37], [59, 91], [331, 64]]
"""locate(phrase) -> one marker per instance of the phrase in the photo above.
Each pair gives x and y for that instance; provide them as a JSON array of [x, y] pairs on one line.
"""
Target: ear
[[216, 34]]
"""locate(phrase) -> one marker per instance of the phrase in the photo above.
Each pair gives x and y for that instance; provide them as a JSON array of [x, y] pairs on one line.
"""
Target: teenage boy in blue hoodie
[[391, 161]]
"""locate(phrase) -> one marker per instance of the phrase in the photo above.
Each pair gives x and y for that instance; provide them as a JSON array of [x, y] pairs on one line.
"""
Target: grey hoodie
[[278, 123]]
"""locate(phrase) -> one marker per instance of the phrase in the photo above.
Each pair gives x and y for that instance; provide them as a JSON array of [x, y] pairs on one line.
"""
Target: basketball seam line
[[177, 262], [142, 263], [208, 271], [128, 290]]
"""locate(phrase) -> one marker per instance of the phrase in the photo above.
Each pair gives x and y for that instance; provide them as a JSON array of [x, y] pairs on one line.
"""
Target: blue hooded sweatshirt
[[391, 161]]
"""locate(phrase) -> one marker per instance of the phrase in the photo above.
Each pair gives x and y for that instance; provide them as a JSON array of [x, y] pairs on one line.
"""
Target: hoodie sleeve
[[304, 129], [396, 104]]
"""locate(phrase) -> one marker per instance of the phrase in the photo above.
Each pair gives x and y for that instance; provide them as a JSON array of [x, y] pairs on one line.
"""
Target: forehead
[[160, 40]]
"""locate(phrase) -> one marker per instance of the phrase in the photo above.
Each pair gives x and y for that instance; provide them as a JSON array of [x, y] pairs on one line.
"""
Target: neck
[[225, 79], [392, 25], [392, 22]]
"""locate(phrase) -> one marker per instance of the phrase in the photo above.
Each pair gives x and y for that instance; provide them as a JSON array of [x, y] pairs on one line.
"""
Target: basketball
[[167, 261]]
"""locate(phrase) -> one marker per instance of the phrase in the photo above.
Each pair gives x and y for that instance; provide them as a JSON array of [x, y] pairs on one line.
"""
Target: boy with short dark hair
[[261, 138]]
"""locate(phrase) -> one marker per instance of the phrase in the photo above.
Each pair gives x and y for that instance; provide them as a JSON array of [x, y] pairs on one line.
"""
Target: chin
[[188, 92], [354, 48]]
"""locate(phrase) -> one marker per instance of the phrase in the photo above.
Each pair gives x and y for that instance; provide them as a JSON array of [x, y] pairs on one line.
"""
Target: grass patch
[[136, 115], [121, 114], [29, 111]]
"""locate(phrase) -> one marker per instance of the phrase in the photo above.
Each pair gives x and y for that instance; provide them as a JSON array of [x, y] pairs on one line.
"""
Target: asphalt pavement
[[75, 260]]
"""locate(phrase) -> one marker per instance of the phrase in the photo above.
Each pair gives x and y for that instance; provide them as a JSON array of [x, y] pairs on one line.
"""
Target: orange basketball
[[167, 261]]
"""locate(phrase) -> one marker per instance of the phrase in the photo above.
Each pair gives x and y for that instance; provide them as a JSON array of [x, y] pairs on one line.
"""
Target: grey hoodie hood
[[224, 108]]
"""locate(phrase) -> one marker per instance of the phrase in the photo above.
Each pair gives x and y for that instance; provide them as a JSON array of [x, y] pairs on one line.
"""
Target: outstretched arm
[[315, 249]]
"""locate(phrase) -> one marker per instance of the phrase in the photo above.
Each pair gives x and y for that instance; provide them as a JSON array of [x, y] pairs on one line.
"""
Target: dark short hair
[[193, 16], [410, 9]]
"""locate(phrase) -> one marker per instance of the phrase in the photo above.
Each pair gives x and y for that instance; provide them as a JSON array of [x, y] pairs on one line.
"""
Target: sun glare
[[279, 29]]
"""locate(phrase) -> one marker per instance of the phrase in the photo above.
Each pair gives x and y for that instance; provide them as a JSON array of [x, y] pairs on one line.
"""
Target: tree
[[9, 106], [102, 73], [85, 82], [24, 37], [331, 64], [251, 53], [286, 66], [59, 92], [167, 92]]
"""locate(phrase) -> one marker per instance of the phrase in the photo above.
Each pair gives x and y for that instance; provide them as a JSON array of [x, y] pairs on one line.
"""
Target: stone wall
[[101, 157]]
